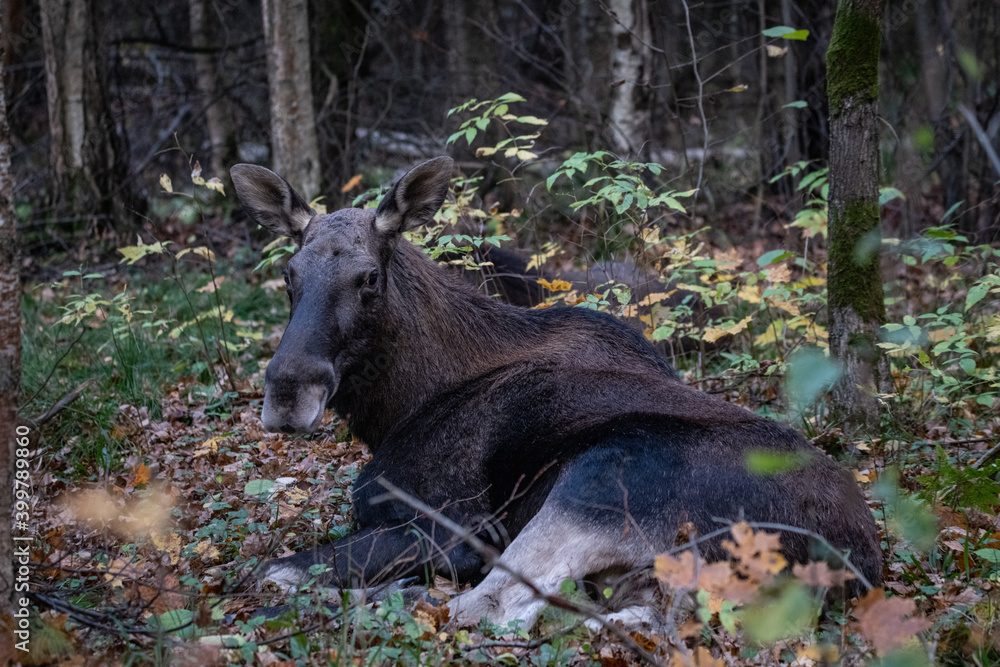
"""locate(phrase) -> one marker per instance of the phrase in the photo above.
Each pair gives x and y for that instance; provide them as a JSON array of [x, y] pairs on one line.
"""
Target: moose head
[[337, 283]]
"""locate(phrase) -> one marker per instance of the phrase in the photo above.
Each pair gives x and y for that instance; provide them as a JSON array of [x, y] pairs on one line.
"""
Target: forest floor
[[157, 490]]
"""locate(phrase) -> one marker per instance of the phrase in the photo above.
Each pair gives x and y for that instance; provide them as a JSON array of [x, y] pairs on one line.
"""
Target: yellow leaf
[[713, 334], [727, 260], [211, 286], [210, 446], [170, 544], [165, 183], [738, 88], [206, 550], [808, 281], [526, 155], [201, 251], [750, 294], [779, 274], [196, 171], [555, 285], [786, 306], [354, 182], [774, 51], [215, 184], [485, 151], [655, 297], [741, 325], [770, 335], [319, 208]]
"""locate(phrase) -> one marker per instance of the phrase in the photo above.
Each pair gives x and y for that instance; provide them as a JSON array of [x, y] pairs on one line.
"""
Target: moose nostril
[[287, 428]]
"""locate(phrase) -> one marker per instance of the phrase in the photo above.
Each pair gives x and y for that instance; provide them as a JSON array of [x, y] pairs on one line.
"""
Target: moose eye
[[371, 280]]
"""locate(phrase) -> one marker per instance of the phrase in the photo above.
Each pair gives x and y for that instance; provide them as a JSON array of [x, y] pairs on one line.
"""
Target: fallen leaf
[[819, 573], [888, 622]]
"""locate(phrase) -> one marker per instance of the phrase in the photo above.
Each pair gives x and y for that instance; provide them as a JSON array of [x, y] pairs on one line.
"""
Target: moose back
[[559, 436]]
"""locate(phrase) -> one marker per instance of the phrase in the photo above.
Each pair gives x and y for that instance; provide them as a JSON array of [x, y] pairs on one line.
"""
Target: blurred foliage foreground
[[158, 485]]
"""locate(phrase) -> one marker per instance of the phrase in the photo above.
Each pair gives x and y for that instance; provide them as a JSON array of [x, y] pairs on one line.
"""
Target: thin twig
[[61, 404], [701, 95], [985, 457]]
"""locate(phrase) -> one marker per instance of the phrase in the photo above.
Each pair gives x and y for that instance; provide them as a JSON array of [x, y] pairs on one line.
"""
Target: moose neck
[[436, 333]]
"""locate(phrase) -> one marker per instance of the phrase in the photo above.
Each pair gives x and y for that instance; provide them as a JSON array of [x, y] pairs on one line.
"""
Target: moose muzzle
[[296, 394]]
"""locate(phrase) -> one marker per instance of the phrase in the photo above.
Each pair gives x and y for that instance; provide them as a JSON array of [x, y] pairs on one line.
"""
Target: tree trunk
[[218, 119], [630, 65], [295, 149], [458, 52], [89, 174], [857, 308], [10, 376]]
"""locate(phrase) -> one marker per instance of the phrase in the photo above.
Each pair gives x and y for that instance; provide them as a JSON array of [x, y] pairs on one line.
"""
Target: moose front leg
[[374, 556]]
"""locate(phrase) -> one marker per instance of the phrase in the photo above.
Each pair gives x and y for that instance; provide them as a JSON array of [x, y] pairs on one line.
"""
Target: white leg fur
[[631, 617], [550, 549]]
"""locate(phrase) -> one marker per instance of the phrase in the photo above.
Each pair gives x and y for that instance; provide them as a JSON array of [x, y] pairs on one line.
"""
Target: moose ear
[[271, 201], [416, 197]]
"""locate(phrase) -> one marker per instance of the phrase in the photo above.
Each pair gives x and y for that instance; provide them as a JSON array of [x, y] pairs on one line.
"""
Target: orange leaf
[[351, 184], [141, 474], [757, 553], [887, 622], [820, 574], [555, 285]]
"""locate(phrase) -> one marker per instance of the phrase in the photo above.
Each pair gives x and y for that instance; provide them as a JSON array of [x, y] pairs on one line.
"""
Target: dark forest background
[[192, 75]]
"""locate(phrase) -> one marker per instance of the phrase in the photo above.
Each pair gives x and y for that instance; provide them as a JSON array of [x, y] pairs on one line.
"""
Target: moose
[[560, 437]]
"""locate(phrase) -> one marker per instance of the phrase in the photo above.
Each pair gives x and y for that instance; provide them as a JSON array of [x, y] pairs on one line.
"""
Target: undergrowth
[[164, 485]]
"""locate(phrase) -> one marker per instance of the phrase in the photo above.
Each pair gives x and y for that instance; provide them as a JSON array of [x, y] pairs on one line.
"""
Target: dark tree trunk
[[10, 375], [857, 308], [89, 173]]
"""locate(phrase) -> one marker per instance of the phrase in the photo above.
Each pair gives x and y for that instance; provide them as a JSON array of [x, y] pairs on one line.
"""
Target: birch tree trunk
[[89, 174], [294, 146], [857, 308], [630, 63], [218, 121], [10, 375]]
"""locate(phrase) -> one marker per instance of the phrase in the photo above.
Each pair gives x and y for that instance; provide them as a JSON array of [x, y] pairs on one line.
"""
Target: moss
[[853, 57], [853, 284]]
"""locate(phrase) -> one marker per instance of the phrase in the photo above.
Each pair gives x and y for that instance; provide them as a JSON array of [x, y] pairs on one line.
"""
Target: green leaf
[[797, 104], [510, 97], [532, 120], [257, 487], [789, 615], [887, 194], [810, 374], [968, 365], [952, 209], [784, 32], [773, 256], [777, 31], [991, 555], [764, 462], [975, 295]]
